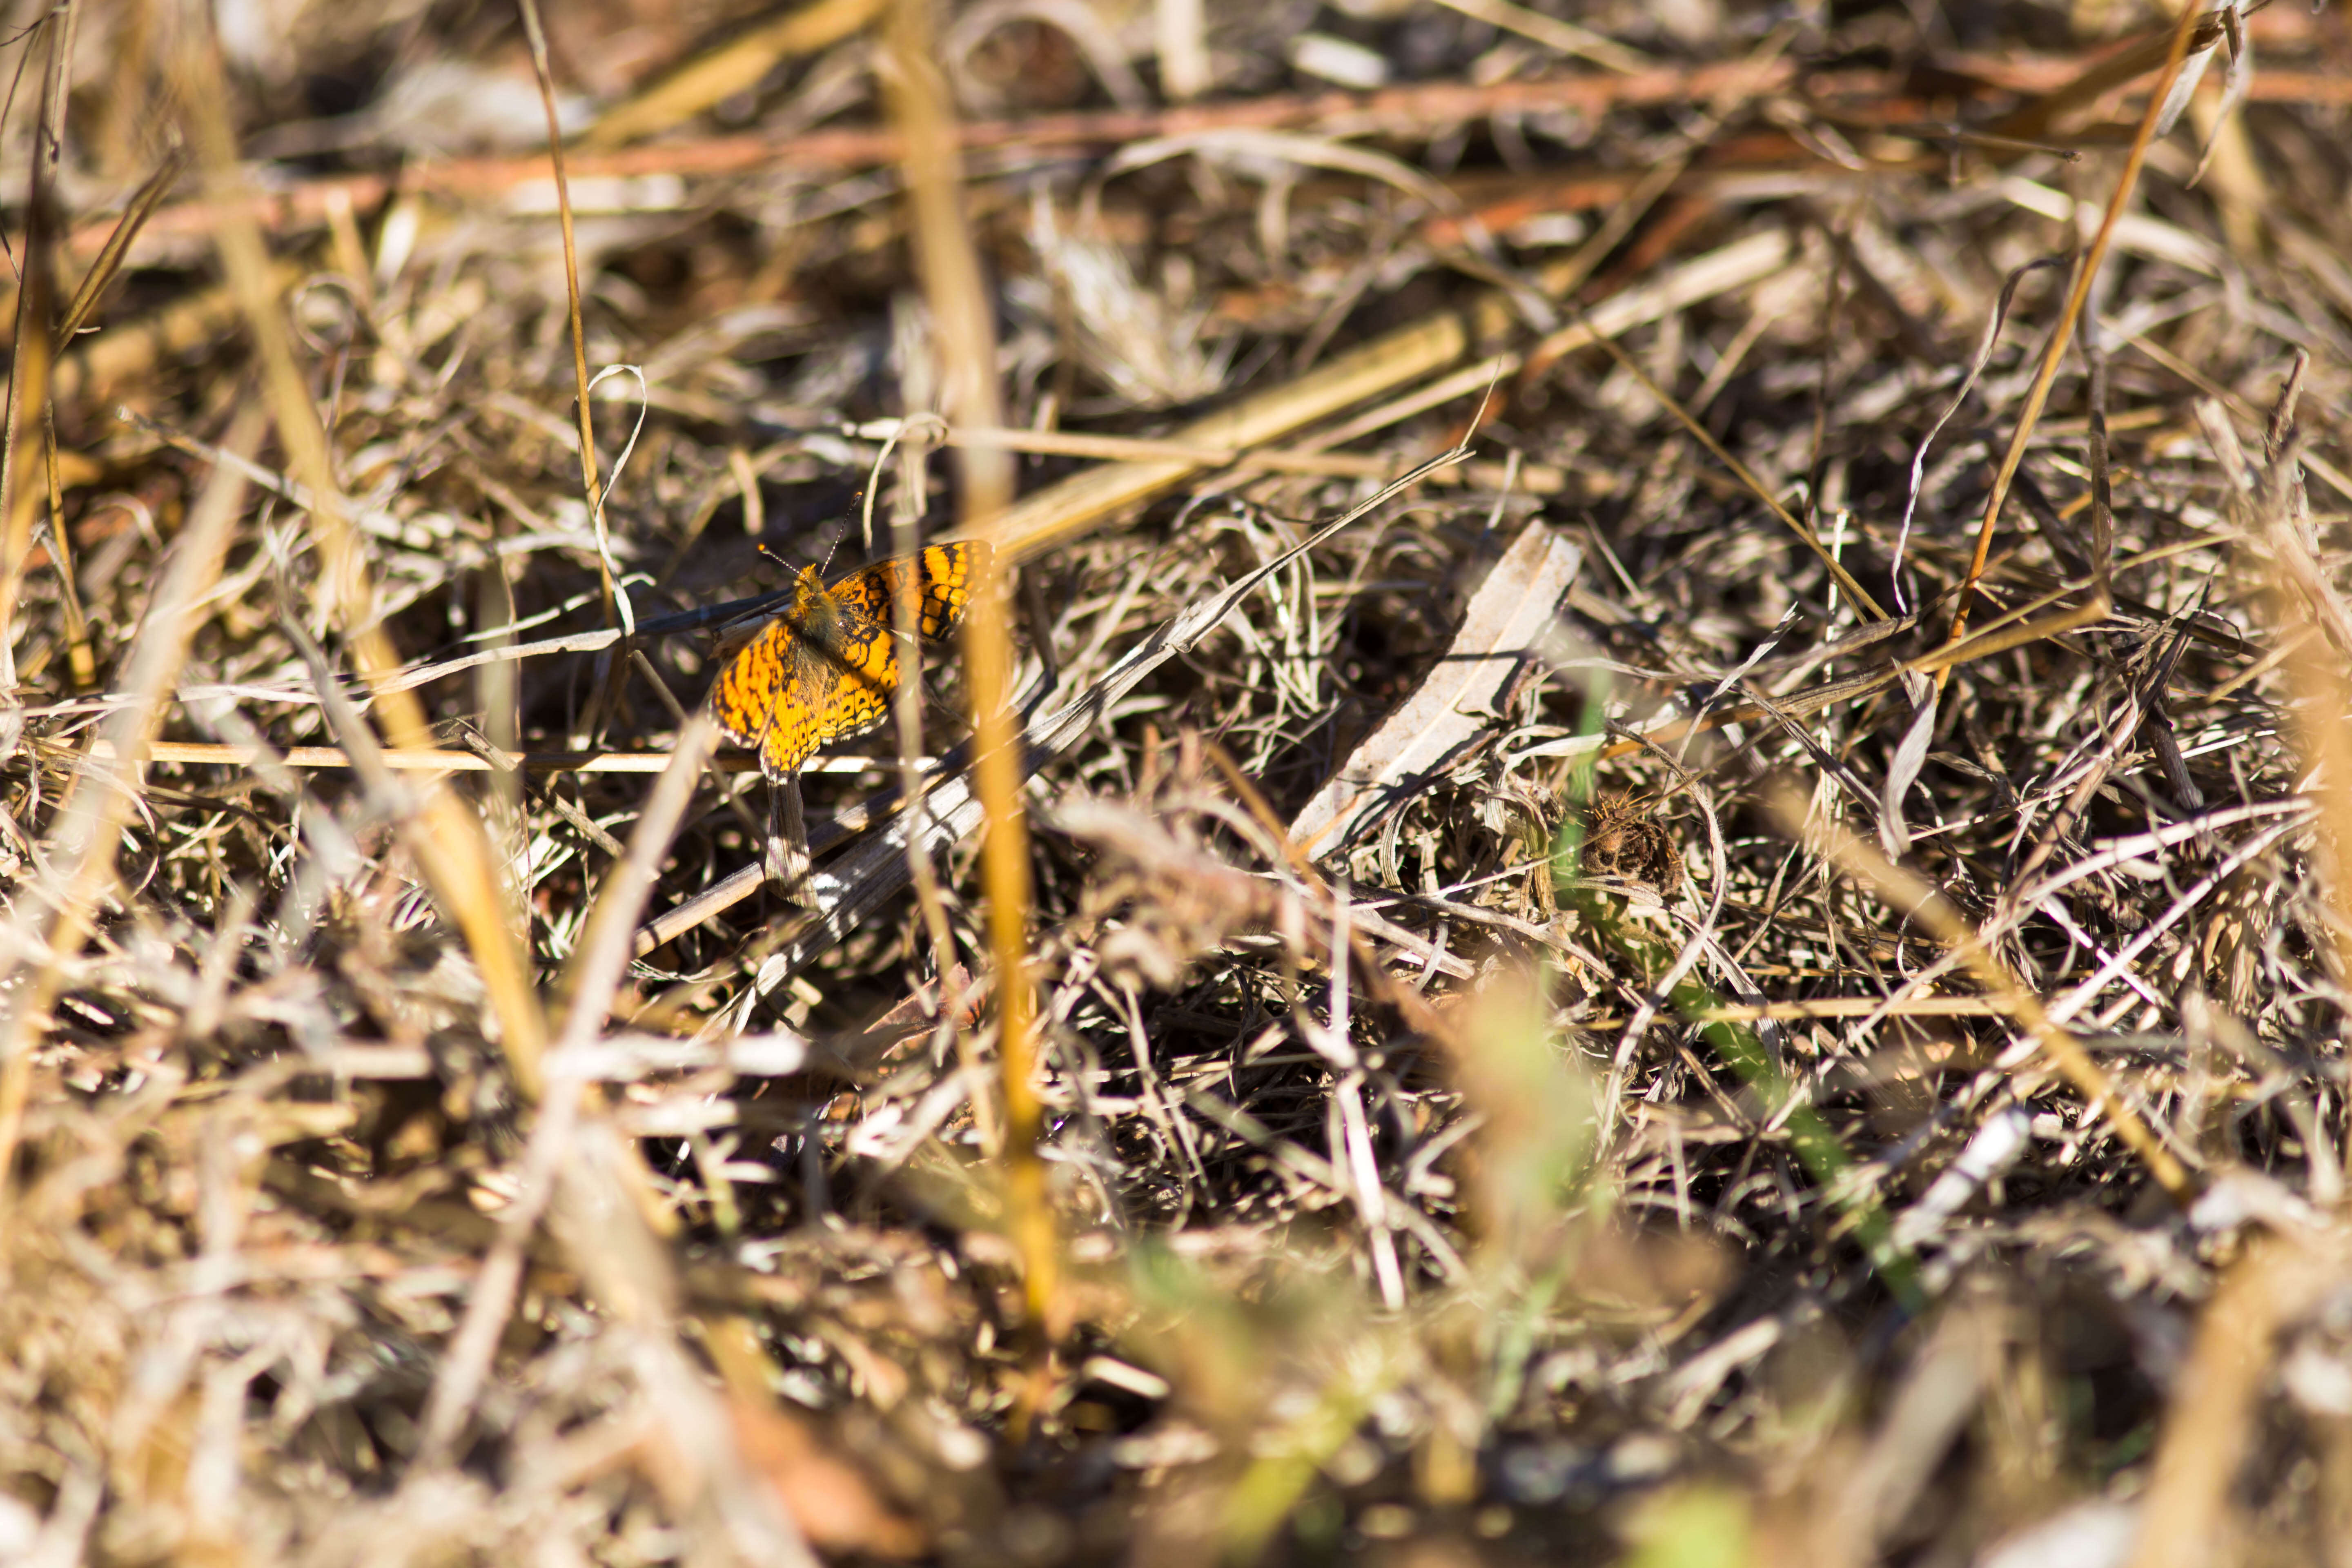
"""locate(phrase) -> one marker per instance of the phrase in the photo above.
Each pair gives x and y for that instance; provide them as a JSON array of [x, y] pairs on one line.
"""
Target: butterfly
[[825, 666]]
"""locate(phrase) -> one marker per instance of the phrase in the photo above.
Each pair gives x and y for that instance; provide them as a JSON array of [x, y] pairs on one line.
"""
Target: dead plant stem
[[445, 835], [24, 417], [949, 265]]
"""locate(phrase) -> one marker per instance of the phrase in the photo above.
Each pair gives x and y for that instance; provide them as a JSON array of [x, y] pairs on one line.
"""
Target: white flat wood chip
[[1507, 618]]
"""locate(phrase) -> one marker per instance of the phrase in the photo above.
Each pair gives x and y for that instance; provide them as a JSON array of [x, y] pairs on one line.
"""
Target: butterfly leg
[[787, 856]]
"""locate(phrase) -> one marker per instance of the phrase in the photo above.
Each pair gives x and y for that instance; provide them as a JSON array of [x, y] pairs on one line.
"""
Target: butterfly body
[[825, 666]]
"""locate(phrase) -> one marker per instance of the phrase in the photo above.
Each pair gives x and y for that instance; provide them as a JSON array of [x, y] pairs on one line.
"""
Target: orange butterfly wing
[[942, 577], [863, 658], [773, 695]]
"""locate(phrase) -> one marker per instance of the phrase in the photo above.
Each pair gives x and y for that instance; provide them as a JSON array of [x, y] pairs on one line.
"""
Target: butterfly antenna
[[792, 572]]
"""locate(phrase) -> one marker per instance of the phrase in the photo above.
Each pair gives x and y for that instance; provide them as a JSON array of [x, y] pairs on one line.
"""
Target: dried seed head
[[1622, 839]]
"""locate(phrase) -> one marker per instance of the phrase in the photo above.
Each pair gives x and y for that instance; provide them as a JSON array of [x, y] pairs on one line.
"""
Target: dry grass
[[1561, 1017]]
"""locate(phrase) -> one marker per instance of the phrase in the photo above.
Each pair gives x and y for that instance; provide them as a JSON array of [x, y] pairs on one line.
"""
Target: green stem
[[1818, 1147]]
